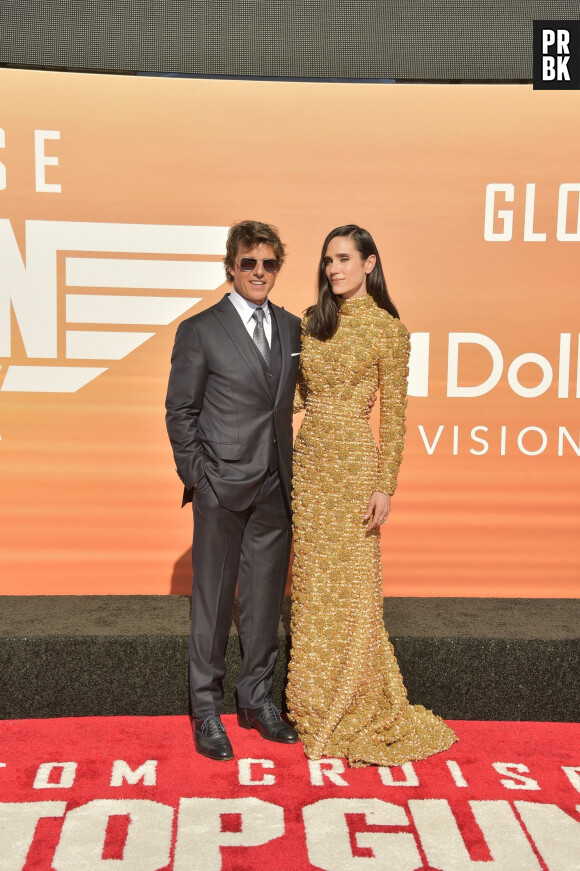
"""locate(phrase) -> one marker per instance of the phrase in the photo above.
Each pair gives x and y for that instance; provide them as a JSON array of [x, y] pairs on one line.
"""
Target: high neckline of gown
[[349, 306]]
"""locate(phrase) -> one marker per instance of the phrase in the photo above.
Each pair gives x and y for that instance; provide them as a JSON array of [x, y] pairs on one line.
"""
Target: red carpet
[[129, 794]]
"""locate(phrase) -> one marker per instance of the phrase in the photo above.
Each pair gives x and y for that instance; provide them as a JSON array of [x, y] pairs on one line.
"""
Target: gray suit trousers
[[251, 547]]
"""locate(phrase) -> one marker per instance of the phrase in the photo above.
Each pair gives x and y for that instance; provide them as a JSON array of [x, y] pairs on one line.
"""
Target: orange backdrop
[[113, 215]]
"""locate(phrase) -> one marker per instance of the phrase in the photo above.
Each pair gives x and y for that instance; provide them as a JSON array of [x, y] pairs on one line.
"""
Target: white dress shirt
[[246, 309]]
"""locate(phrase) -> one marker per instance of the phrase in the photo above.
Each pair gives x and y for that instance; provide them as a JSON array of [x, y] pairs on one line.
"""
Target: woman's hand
[[378, 509], [371, 401]]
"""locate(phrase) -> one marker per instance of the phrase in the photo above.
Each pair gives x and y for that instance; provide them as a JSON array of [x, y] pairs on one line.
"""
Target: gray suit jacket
[[222, 417]]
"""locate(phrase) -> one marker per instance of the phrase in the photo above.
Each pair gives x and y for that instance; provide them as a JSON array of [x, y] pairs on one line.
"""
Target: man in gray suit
[[229, 418]]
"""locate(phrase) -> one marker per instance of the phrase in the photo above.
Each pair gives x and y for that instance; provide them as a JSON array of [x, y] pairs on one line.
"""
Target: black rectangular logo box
[[556, 55]]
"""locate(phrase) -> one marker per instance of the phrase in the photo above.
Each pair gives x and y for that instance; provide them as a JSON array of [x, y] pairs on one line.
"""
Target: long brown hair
[[323, 316]]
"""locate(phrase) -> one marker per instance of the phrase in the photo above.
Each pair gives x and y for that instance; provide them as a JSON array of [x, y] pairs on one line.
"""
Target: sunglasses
[[248, 264]]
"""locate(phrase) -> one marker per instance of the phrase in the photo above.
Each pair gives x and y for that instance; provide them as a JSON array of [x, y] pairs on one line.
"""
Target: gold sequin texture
[[345, 692]]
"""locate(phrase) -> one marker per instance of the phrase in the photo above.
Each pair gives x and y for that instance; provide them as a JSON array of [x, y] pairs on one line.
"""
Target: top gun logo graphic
[[68, 332]]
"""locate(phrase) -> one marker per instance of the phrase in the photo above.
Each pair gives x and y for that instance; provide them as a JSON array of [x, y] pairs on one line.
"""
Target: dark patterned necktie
[[260, 340]]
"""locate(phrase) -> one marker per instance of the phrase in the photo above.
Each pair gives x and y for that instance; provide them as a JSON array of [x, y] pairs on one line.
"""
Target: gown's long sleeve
[[301, 391], [394, 349]]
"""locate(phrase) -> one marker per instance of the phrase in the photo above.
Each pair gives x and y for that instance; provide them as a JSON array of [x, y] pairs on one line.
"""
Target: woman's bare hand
[[370, 404], [378, 509]]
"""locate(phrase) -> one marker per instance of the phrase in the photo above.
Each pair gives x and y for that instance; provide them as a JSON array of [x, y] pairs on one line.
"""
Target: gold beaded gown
[[345, 692]]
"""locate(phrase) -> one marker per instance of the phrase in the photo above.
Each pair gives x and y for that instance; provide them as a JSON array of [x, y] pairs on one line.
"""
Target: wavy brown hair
[[323, 316], [247, 235]]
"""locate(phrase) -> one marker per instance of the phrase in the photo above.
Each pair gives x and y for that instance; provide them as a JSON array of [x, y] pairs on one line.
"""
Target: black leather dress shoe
[[268, 722], [211, 739]]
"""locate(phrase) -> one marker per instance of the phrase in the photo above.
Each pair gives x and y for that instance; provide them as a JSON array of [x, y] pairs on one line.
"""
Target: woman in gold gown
[[345, 692]]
